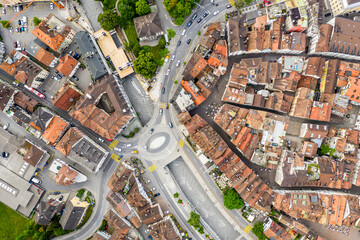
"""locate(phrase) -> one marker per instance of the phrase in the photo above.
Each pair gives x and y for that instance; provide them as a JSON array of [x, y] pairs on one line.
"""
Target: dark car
[[199, 20], [76, 78], [61, 198], [15, 44], [156, 194], [228, 6], [194, 16], [19, 22], [188, 41], [151, 131], [328, 15], [205, 14], [163, 90], [5, 154], [189, 24], [179, 43], [56, 193], [59, 76]]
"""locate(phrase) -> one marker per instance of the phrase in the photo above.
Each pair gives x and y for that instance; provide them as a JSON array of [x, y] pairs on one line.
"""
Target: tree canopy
[[171, 33], [258, 230], [194, 220], [36, 21], [145, 64], [4, 22], [108, 20], [142, 7], [179, 9], [239, 4], [127, 11], [232, 199]]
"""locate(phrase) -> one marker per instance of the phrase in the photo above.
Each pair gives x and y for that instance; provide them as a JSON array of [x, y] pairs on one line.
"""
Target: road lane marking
[[113, 144], [162, 105], [248, 229], [152, 168], [181, 143], [115, 157]]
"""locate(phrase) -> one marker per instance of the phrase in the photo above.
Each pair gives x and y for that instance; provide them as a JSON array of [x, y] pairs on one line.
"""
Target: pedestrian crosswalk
[[113, 144], [115, 157], [181, 143], [248, 228]]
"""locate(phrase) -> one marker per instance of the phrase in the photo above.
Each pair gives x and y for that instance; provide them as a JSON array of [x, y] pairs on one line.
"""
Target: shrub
[[176, 195], [136, 130], [36, 21]]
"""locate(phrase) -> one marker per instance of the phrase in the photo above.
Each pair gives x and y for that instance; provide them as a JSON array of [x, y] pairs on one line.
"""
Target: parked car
[[189, 24], [76, 78], [151, 131], [18, 44], [179, 43], [70, 53], [22, 29], [178, 63], [161, 111], [57, 193], [25, 29], [59, 76], [6, 126], [5, 154], [205, 14], [170, 124], [11, 30], [35, 180], [167, 71], [216, 12], [17, 29], [156, 194], [61, 198], [199, 20], [229, 6], [101, 140], [167, 106], [183, 32], [51, 6], [3, 11], [15, 44], [135, 151], [188, 41], [153, 189], [148, 181], [194, 16], [173, 57], [166, 212], [19, 22]]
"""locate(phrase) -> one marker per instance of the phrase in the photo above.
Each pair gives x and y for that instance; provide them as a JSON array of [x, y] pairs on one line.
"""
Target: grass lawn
[[131, 35], [110, 4], [12, 223]]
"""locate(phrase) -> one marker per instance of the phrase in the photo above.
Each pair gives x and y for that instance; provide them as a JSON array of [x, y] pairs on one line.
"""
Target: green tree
[[258, 230], [248, 2], [36, 21], [239, 4], [136, 130], [325, 149], [145, 64], [199, 33], [180, 201], [108, 20], [171, 33], [194, 220], [232, 199], [178, 21], [136, 50], [127, 10], [176, 195], [4, 22], [142, 7], [201, 230], [127, 46]]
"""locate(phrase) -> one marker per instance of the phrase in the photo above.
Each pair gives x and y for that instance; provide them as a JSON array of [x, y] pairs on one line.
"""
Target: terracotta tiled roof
[[44, 56], [119, 224], [66, 96], [33, 155], [25, 102], [321, 111], [54, 130], [48, 36], [66, 65], [324, 39], [66, 176], [71, 137]]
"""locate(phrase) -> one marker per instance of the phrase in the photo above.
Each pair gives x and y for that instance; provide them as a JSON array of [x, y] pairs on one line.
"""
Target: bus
[[34, 91]]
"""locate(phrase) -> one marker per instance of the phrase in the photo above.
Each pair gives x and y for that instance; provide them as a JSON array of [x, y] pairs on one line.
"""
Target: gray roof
[[41, 118], [90, 54], [148, 25], [46, 211], [71, 216], [34, 46], [88, 150]]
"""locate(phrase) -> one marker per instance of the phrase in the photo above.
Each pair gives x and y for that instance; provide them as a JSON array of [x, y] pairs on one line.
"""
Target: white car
[[6, 126], [101, 140], [166, 212], [11, 30], [168, 72], [145, 148], [216, 13], [18, 44], [128, 145], [173, 57], [117, 149], [153, 189], [178, 63], [183, 33], [148, 181], [146, 230], [51, 6]]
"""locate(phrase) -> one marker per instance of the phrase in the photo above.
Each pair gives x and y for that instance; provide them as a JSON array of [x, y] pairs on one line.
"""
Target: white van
[[35, 180], [24, 20]]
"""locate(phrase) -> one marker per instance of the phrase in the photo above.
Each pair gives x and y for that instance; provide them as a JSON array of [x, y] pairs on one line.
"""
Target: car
[[11, 30], [51, 6], [194, 16], [3, 11], [153, 189], [6, 126], [161, 111], [167, 71], [163, 90], [205, 14], [178, 63], [327, 15], [189, 24], [117, 149], [146, 230], [16, 84], [170, 124], [145, 148], [5, 154], [75, 55], [188, 41], [76, 78], [156, 194], [61, 198], [199, 20], [70, 53], [216, 12], [35, 180], [173, 57], [57, 193], [167, 58], [151, 131], [22, 29], [167, 106], [25, 29], [166, 212], [15, 44], [216, 4], [179, 43], [120, 157], [17, 29], [135, 151], [101, 140], [18, 44], [19, 22], [183, 33], [15, 8], [129, 145], [20, 8], [229, 6], [148, 181]]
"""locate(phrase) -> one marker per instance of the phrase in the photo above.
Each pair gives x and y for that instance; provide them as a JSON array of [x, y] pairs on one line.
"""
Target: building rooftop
[[103, 108], [148, 25], [120, 177], [25, 102], [118, 203], [67, 95], [6, 92], [75, 209], [67, 64], [66, 175], [164, 230], [46, 210], [121, 225], [54, 130], [150, 214]]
